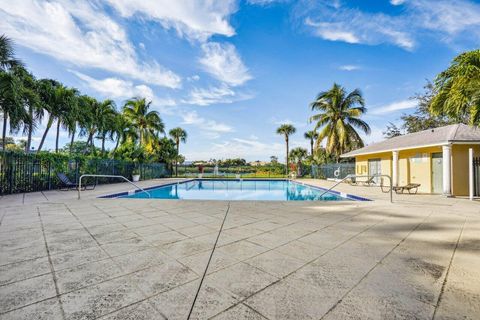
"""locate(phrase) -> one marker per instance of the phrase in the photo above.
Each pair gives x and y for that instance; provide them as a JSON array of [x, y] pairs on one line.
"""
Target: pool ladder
[[349, 176], [107, 176]]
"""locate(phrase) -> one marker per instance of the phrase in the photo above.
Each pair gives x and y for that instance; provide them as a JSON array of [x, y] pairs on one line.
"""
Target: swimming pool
[[205, 189]]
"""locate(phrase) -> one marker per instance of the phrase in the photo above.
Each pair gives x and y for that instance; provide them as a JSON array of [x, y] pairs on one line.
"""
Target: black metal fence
[[332, 170], [476, 177], [29, 172]]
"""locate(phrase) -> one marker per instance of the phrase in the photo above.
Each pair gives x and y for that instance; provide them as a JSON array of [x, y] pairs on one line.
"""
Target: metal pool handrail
[[349, 176], [107, 176]]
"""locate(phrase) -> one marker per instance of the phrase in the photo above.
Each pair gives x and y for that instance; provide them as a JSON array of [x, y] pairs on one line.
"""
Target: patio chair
[[370, 181], [352, 181], [409, 187], [69, 185]]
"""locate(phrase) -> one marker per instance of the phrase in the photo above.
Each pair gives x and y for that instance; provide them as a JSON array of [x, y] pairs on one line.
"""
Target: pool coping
[[344, 195]]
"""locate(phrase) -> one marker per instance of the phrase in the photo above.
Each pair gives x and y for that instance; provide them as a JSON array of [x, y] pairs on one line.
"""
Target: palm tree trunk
[[90, 135], [103, 144], [30, 129], [141, 137], [286, 159], [311, 148], [176, 160], [49, 124], [72, 139], [58, 135], [4, 131], [116, 145]]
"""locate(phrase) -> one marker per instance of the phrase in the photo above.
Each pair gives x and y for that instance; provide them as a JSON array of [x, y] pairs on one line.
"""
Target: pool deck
[[63, 258]]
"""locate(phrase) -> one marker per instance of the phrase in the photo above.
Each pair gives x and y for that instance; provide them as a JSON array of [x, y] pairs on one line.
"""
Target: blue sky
[[230, 71]]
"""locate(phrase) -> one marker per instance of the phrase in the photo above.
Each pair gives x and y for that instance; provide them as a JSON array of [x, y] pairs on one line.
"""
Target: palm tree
[[297, 155], [10, 88], [105, 120], [286, 130], [30, 100], [122, 131], [47, 91], [178, 135], [11, 103], [64, 109], [339, 116], [7, 54], [458, 89], [99, 121], [147, 123], [78, 119], [311, 135]]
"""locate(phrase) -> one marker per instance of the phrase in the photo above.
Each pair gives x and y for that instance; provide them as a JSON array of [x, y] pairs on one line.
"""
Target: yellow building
[[437, 159]]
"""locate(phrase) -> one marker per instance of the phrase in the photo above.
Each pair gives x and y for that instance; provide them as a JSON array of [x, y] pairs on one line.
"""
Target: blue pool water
[[238, 190]]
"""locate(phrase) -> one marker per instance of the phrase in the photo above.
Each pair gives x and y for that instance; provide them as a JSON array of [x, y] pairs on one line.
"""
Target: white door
[[437, 172], [374, 168]]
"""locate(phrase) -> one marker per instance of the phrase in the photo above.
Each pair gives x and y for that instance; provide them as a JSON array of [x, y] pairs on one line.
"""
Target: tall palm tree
[[7, 54], [47, 92], [67, 111], [121, 132], [311, 135], [286, 130], [105, 120], [11, 104], [77, 120], [10, 88], [458, 88], [297, 155], [338, 118], [178, 135], [100, 118], [30, 100], [148, 124]]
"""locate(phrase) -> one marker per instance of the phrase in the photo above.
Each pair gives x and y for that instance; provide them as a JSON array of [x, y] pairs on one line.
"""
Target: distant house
[[257, 163], [435, 158]]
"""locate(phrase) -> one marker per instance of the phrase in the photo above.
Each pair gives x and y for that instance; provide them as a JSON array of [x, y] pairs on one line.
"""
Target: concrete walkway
[[61, 258]]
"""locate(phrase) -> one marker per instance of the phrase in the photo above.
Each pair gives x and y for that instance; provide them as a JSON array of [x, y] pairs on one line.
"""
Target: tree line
[[137, 131]]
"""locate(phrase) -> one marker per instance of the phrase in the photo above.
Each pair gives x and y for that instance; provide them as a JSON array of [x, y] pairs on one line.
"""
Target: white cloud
[[79, 32], [264, 2], [222, 61], [195, 77], [214, 95], [349, 67], [197, 19], [446, 20], [355, 26], [447, 17], [192, 118], [332, 31], [395, 106], [116, 87]]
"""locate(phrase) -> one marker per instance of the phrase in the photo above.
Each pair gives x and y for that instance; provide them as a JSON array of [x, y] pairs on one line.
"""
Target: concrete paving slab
[[141, 258]]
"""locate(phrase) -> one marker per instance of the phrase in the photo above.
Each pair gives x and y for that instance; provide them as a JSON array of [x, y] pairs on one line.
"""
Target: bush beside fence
[[31, 172]]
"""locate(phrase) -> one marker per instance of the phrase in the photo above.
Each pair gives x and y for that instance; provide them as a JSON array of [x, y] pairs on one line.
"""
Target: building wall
[[414, 166], [460, 167], [361, 163]]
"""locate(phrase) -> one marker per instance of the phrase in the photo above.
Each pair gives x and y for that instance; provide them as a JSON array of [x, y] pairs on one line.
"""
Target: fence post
[[470, 173], [49, 175]]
